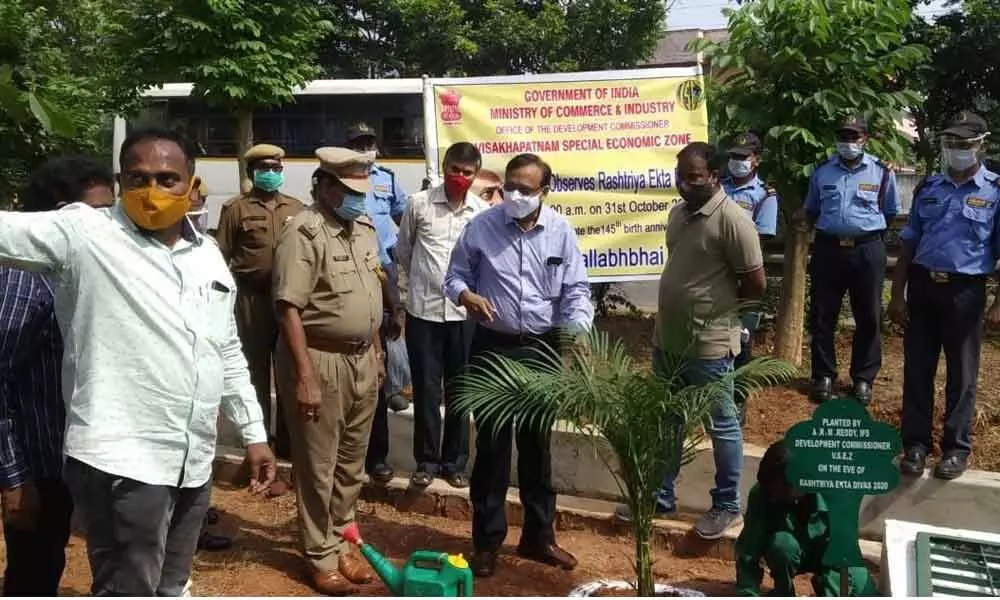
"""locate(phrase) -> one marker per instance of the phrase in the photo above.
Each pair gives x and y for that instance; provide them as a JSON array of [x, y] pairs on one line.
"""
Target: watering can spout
[[383, 567]]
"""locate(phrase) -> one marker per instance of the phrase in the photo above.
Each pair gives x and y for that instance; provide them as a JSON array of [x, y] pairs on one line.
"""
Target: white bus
[[320, 116]]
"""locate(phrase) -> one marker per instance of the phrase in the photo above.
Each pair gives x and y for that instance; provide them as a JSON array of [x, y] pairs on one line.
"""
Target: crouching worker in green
[[788, 531]]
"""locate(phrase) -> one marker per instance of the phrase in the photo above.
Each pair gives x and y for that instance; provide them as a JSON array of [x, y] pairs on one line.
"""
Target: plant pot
[[607, 587]]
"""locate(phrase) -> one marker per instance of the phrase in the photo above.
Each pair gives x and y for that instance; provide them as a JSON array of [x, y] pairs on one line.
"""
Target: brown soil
[[264, 560], [771, 412]]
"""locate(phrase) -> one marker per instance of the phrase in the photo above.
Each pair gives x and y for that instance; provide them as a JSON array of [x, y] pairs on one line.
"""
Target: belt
[[340, 346], [516, 339], [946, 276], [849, 241]]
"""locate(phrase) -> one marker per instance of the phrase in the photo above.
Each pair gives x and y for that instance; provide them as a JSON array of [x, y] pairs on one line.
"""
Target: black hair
[[463, 153], [773, 464], [143, 134], [525, 160], [63, 180], [705, 151]]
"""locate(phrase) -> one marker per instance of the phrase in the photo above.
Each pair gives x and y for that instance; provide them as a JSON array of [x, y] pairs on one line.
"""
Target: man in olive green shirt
[[789, 531]]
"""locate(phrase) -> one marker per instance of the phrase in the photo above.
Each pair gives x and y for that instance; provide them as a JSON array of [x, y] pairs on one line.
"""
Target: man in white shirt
[[145, 307], [438, 334]]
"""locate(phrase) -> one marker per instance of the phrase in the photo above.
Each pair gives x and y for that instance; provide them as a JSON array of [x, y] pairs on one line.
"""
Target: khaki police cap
[[263, 151], [350, 167]]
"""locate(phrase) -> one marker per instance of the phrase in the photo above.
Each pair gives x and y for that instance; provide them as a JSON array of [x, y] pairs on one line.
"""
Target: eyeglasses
[[270, 168]]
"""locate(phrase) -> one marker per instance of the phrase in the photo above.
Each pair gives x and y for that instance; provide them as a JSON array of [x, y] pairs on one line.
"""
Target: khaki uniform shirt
[[332, 275], [708, 251], [249, 228]]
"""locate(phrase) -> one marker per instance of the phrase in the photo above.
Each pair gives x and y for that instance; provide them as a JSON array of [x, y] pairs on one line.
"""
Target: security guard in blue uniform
[[852, 198], [385, 204], [950, 247], [745, 188]]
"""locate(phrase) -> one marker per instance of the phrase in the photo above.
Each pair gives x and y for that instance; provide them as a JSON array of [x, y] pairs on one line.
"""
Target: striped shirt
[[32, 413]]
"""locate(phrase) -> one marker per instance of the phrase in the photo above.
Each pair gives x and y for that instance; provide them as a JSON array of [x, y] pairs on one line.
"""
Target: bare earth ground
[[264, 560], [771, 412]]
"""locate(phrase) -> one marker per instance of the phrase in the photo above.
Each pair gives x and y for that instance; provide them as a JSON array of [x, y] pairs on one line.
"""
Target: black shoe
[[381, 473], [914, 461], [862, 392], [548, 554], [483, 563], [213, 543], [822, 390], [951, 466], [421, 479]]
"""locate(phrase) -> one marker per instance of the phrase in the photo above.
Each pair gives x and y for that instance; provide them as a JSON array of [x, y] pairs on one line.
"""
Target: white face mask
[[199, 219], [850, 150], [740, 168], [960, 160], [518, 205]]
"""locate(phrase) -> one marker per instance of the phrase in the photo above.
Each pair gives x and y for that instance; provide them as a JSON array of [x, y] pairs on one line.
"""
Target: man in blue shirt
[[852, 198], [950, 247], [385, 204], [745, 188], [36, 503], [518, 272]]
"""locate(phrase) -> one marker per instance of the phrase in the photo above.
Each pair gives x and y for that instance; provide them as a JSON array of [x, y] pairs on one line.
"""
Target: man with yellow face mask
[[145, 307]]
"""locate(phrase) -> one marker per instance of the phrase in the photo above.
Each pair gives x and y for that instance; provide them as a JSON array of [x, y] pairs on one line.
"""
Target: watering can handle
[[428, 557]]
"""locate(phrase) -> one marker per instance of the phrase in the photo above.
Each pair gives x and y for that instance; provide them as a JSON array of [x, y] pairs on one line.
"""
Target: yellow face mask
[[153, 209]]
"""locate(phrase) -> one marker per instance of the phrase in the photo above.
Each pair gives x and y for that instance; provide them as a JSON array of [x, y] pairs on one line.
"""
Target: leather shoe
[[862, 392], [483, 563], [822, 389], [332, 583], [549, 554], [951, 466], [214, 543], [381, 473], [914, 461], [354, 568]]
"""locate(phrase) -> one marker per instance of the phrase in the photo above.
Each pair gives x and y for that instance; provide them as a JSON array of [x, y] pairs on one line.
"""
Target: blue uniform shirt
[[761, 207], [385, 201], [845, 199], [954, 228]]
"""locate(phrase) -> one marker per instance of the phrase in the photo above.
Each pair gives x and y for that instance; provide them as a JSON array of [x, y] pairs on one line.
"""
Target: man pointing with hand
[[518, 271]]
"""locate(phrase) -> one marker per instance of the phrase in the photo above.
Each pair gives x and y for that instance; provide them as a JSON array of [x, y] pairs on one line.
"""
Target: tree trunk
[[644, 583], [791, 308], [244, 139]]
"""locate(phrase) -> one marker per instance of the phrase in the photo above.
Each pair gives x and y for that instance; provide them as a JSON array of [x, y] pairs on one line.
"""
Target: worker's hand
[[263, 467], [993, 315], [21, 506], [896, 310], [309, 397], [479, 308], [397, 322]]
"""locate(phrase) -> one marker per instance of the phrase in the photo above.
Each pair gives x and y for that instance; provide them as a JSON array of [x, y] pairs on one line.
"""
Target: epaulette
[[231, 200], [993, 178], [311, 225]]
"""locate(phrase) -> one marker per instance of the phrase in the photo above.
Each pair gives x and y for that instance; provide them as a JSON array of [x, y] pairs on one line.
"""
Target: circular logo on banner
[[689, 94]]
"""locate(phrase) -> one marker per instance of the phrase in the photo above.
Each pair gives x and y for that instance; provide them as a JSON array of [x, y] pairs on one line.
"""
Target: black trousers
[[438, 352], [36, 558], [491, 471], [860, 272], [141, 538], [945, 316]]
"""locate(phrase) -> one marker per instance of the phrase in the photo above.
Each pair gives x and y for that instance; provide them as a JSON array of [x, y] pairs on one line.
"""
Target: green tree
[[384, 38], [651, 421], [60, 83], [792, 69], [963, 71], [238, 54]]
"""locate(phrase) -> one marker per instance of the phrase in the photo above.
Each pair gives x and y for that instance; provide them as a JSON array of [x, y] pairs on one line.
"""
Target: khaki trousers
[[257, 325], [328, 456]]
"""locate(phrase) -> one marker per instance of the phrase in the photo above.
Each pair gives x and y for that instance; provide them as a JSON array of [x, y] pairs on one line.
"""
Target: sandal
[[421, 479]]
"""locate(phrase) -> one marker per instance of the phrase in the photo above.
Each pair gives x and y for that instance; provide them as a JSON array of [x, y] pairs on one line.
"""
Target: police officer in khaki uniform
[[248, 232], [329, 290]]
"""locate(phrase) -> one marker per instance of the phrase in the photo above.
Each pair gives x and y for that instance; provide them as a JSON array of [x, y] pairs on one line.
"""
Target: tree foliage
[[963, 71], [60, 83], [651, 421], [492, 37]]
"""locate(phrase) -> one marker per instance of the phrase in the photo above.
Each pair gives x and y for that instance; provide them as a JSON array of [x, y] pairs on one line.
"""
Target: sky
[[707, 14]]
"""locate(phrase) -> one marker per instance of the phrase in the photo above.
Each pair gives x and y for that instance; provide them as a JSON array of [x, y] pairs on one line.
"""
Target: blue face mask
[[740, 168], [268, 181], [352, 207]]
